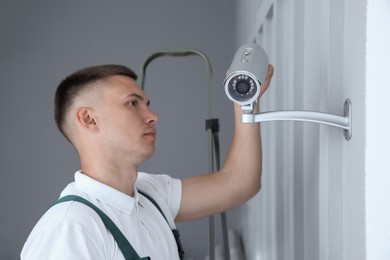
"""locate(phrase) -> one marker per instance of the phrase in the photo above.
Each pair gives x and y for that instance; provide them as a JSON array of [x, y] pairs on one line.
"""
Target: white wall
[[354, 152], [322, 197], [378, 128]]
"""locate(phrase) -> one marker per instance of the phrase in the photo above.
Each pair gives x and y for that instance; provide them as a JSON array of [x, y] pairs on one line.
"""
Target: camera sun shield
[[247, 73]]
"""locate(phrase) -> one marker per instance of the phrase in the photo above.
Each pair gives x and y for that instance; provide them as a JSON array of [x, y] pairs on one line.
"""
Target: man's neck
[[119, 178]]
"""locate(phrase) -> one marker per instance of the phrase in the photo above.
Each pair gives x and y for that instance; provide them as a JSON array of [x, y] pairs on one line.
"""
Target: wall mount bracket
[[344, 121]]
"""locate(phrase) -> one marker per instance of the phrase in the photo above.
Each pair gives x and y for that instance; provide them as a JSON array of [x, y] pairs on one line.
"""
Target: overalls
[[127, 250]]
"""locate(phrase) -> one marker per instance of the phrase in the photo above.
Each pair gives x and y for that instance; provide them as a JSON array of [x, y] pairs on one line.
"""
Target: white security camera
[[246, 74]]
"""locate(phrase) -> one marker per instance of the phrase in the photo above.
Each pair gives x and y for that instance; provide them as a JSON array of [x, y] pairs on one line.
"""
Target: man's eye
[[133, 102]]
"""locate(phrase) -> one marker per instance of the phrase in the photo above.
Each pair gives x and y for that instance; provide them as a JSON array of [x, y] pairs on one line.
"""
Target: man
[[105, 115]]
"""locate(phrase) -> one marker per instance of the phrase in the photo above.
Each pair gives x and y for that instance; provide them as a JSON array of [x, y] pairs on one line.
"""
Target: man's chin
[[149, 154]]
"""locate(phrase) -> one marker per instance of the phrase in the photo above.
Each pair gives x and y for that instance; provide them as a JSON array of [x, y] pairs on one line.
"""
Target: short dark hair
[[75, 83]]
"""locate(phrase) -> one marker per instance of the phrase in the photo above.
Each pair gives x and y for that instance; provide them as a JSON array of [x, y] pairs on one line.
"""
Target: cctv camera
[[246, 74]]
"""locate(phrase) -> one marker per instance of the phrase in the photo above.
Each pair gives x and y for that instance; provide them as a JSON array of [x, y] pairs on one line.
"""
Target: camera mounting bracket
[[248, 108], [344, 121]]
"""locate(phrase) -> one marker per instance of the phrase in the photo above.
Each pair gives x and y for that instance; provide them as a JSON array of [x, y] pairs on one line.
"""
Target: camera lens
[[242, 87]]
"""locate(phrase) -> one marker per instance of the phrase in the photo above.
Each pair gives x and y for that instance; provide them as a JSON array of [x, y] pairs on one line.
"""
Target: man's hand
[[267, 80]]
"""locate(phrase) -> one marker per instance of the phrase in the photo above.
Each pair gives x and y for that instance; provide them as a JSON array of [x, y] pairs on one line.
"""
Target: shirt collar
[[105, 193]]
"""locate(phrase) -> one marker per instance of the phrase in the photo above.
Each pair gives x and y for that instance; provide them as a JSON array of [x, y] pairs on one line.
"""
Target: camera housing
[[246, 74]]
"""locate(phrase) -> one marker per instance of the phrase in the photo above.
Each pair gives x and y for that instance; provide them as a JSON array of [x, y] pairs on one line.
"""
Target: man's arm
[[236, 182]]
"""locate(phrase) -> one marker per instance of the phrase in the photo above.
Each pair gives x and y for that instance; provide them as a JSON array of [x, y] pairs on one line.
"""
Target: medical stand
[[212, 126]]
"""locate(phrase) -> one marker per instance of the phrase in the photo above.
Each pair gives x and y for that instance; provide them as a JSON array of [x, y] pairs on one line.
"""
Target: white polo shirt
[[72, 230]]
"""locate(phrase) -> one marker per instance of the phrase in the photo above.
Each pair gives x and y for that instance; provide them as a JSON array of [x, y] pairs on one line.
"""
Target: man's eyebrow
[[142, 98]]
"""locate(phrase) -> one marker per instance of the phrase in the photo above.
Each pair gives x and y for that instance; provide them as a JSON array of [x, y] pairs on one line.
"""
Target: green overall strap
[[123, 244], [175, 232]]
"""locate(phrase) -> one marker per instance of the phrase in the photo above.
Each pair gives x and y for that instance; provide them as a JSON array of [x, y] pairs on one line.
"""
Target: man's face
[[126, 123]]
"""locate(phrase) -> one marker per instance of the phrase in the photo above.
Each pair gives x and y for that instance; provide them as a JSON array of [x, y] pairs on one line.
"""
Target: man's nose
[[151, 117]]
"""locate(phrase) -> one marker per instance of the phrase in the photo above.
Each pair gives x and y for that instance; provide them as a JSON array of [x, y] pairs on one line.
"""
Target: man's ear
[[86, 118]]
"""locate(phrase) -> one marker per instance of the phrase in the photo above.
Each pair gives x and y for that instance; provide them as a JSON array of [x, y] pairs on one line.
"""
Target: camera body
[[246, 74]]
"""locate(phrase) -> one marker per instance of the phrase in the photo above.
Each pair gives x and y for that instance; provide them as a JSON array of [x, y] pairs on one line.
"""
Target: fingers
[[267, 79]]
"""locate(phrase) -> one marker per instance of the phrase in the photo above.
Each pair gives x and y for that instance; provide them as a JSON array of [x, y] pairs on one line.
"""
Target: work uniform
[[72, 230]]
